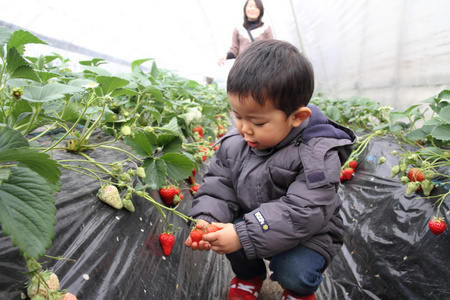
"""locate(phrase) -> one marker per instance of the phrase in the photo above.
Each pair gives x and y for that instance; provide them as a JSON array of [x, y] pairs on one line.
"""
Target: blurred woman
[[253, 29]]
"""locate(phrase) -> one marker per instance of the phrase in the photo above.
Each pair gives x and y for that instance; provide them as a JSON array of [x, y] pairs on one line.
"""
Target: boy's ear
[[300, 115]]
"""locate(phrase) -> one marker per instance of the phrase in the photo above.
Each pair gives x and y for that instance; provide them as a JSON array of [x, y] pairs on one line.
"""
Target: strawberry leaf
[[14, 147], [48, 92], [142, 143], [27, 211], [179, 167], [156, 171], [110, 83], [442, 132]]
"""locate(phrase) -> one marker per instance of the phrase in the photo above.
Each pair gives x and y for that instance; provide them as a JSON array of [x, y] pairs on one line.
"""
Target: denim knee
[[298, 270]]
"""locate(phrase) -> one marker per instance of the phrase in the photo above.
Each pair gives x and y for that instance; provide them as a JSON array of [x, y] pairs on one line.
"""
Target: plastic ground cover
[[388, 252]]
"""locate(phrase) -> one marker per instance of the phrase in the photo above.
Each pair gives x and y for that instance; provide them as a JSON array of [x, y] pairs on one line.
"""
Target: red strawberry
[[221, 131], [212, 228], [215, 147], [194, 188], [437, 225], [198, 129], [353, 164], [69, 296], [167, 194], [204, 152], [191, 179], [196, 235], [415, 174], [167, 240], [347, 173]]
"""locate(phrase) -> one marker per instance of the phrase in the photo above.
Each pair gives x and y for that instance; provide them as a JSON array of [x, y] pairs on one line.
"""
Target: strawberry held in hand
[[437, 225], [212, 228], [196, 235], [353, 164], [167, 240]]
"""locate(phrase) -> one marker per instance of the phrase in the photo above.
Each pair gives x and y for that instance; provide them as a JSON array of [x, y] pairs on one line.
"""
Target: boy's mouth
[[252, 144]]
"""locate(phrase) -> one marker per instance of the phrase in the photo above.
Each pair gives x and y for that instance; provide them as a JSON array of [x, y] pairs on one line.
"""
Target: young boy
[[272, 185]]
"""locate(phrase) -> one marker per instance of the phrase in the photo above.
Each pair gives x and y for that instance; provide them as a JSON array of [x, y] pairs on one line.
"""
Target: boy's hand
[[223, 241], [202, 245]]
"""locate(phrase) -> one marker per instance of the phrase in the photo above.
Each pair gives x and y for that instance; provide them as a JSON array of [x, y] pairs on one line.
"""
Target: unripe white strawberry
[[110, 195], [43, 283]]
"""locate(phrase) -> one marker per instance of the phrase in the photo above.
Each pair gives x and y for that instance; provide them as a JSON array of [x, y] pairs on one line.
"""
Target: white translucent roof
[[394, 52]]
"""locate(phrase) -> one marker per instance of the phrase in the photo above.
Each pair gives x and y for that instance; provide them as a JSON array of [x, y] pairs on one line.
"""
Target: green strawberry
[[395, 170], [126, 130], [42, 284], [141, 172], [167, 240], [128, 204], [110, 195], [427, 186], [411, 187]]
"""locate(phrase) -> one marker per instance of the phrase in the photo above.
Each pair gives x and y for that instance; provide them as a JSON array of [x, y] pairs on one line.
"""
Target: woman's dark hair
[[272, 70], [257, 23]]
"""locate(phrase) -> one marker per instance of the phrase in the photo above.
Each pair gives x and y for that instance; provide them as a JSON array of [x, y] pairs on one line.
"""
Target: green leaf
[[179, 167], [123, 92], [98, 71], [445, 94], [444, 114], [39, 162], [136, 65], [11, 139], [28, 212], [333, 113], [45, 76], [110, 83], [156, 171], [170, 143], [154, 71], [4, 175], [142, 143], [14, 60], [155, 93], [48, 92], [441, 132], [19, 38], [416, 135], [5, 35], [26, 72]]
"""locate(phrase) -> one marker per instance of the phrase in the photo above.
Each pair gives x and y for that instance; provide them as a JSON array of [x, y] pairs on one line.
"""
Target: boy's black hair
[[273, 70], [248, 23]]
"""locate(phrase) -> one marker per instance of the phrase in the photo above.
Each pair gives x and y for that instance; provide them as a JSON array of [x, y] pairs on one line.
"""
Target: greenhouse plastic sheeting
[[394, 52], [388, 251]]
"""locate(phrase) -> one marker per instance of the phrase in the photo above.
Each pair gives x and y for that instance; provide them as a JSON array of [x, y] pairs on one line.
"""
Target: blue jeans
[[298, 270]]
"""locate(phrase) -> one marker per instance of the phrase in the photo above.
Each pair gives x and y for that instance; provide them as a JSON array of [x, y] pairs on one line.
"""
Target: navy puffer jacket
[[287, 195]]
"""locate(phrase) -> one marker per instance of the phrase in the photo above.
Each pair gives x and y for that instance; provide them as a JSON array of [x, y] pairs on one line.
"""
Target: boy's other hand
[[223, 241]]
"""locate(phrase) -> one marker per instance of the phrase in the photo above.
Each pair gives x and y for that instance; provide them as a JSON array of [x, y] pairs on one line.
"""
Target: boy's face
[[264, 127]]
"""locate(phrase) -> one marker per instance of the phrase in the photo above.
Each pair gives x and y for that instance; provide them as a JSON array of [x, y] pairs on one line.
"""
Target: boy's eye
[[260, 124]]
